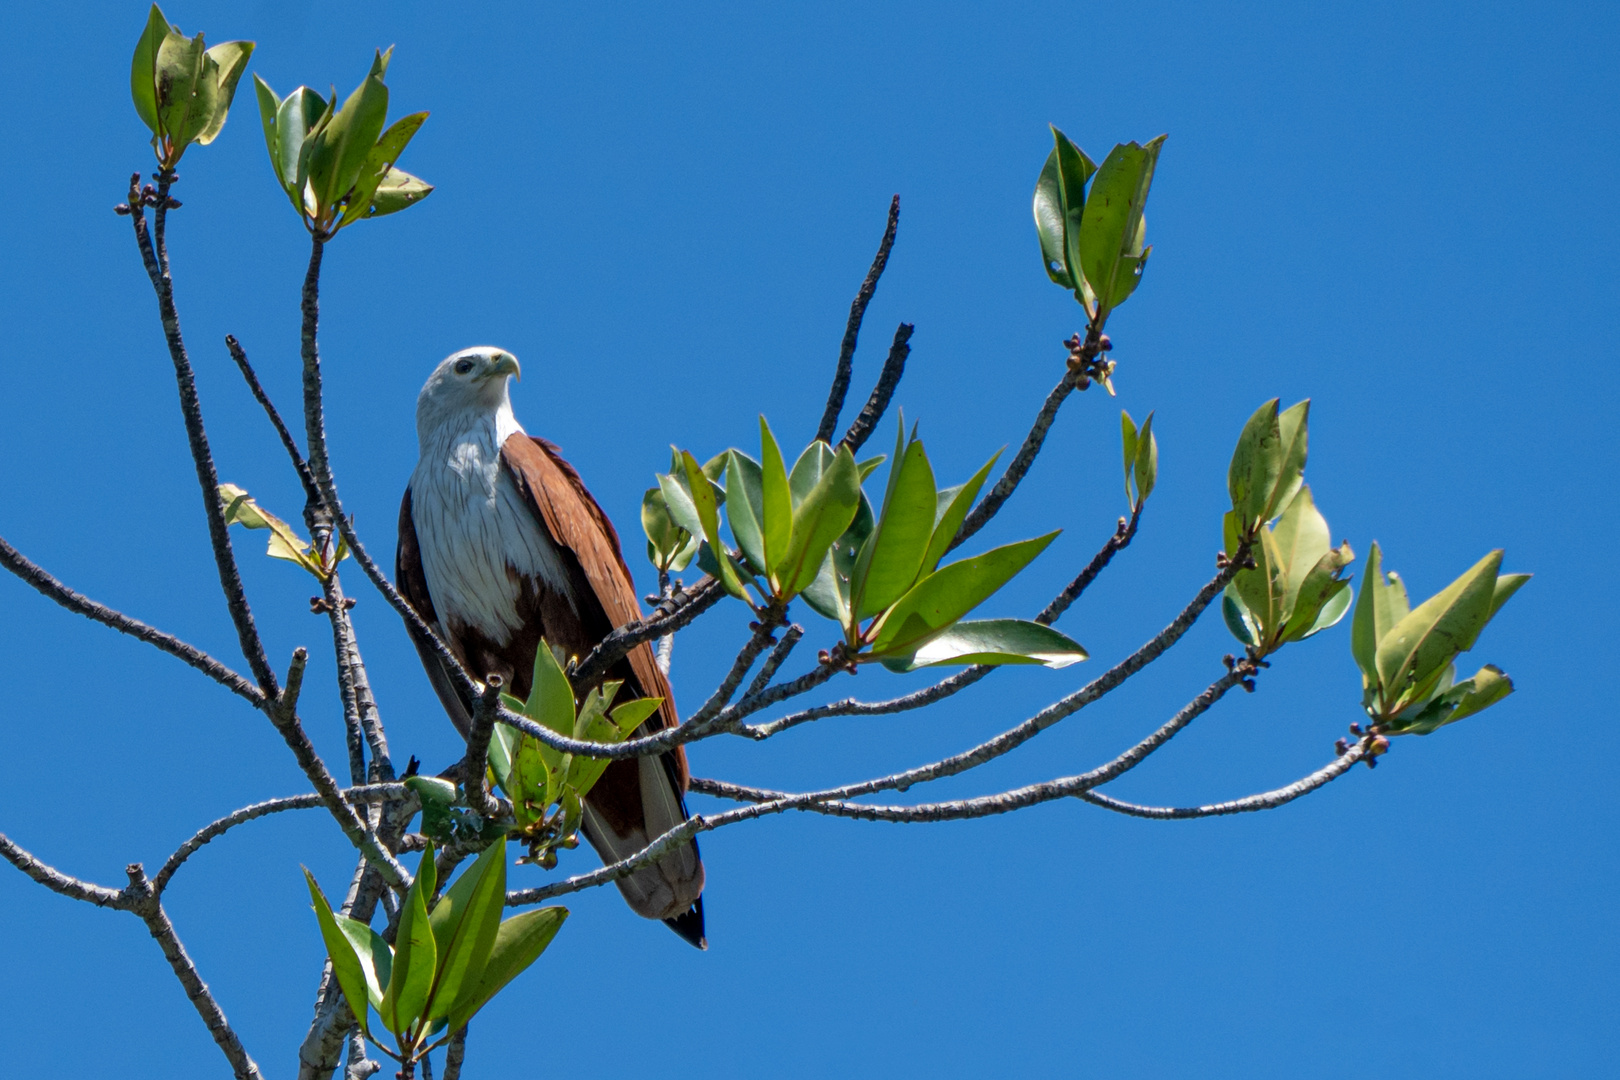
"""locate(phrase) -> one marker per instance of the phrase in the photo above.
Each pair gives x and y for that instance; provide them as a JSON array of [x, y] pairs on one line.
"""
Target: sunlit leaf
[[949, 593], [993, 641]]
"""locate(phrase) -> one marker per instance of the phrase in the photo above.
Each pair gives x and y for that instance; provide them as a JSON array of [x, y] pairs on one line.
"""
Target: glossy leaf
[[465, 923], [1506, 586], [143, 69], [1127, 445], [1293, 431], [415, 955], [816, 459], [432, 789], [669, 547], [824, 516], [893, 555], [745, 505], [346, 967], [399, 190], [1321, 598], [1111, 230], [378, 163], [1257, 461], [950, 510], [341, 147], [949, 593], [519, 943], [993, 641], [1302, 539], [828, 594], [708, 514], [1263, 588], [1059, 201], [230, 61], [1147, 461], [1239, 619], [776, 501], [678, 501], [1435, 631]]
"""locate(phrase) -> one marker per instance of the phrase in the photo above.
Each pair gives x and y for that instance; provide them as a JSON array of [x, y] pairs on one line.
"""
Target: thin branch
[[756, 644], [156, 258], [145, 903], [370, 793], [300, 466], [852, 330], [686, 607], [773, 662], [1004, 487], [80, 604], [455, 1053], [889, 378], [1071, 592], [1003, 802], [58, 882], [474, 773], [1265, 800]]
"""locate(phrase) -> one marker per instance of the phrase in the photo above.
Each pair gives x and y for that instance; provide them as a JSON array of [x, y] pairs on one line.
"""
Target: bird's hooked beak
[[505, 364]]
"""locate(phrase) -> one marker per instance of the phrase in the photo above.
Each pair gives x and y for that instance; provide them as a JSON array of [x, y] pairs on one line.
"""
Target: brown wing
[[411, 581], [635, 800]]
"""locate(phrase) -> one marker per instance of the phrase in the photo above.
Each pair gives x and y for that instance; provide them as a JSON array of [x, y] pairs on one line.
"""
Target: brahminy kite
[[500, 544]]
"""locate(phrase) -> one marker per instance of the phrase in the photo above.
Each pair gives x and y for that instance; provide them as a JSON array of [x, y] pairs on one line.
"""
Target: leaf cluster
[[448, 959], [337, 163], [812, 531], [548, 787], [1090, 221], [181, 88], [285, 543]]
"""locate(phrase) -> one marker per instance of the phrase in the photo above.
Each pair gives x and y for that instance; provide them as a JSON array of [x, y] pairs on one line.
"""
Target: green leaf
[[269, 104], [1488, 686], [893, 556], [143, 69], [678, 500], [745, 503], [993, 641], [1382, 604], [1434, 632], [1239, 619], [776, 516], [1292, 431], [951, 509], [1127, 441], [1263, 588], [1111, 228], [1256, 463], [669, 547], [432, 789], [376, 957], [708, 514], [230, 60], [346, 967], [551, 697], [187, 90], [816, 459], [1075, 169], [298, 114], [1302, 539], [1321, 598], [378, 164], [1058, 206], [1147, 461], [415, 955], [949, 593], [519, 943], [465, 923], [341, 147], [824, 516], [399, 190], [239, 508], [828, 594], [1506, 586], [503, 747]]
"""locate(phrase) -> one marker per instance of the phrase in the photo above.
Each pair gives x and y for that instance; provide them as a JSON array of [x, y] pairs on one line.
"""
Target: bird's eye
[[463, 366]]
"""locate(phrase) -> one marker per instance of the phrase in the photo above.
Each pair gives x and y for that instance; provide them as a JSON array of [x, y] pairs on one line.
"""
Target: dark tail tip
[[689, 925]]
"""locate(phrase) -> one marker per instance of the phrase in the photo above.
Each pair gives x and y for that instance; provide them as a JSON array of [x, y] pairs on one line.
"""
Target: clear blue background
[[1405, 212]]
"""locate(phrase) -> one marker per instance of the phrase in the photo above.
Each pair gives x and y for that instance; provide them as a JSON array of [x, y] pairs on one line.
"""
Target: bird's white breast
[[472, 524]]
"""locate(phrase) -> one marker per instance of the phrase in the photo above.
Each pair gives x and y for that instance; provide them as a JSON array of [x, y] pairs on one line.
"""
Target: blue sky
[[1405, 212]]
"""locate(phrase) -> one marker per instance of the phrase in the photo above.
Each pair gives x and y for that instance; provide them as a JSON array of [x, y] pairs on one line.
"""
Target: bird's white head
[[467, 387]]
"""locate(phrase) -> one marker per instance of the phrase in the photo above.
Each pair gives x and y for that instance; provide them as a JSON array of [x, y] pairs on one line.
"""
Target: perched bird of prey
[[500, 545]]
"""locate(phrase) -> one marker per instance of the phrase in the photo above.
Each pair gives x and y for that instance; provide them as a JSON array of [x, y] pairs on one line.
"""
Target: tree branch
[[686, 607], [852, 330], [156, 258], [145, 903], [48, 586], [58, 882], [889, 378], [1266, 800], [1004, 487], [1116, 543], [300, 466]]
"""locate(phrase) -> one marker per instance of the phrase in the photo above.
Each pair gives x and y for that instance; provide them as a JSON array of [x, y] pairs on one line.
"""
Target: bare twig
[[773, 662], [688, 606], [1266, 800], [1116, 543], [889, 378], [371, 793], [1004, 487], [155, 255], [473, 774], [58, 882], [44, 583], [852, 329], [300, 466], [757, 643], [145, 903], [455, 1053]]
